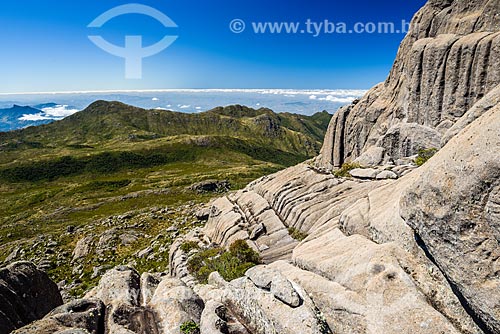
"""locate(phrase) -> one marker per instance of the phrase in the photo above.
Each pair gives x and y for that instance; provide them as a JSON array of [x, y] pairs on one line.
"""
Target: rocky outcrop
[[428, 240], [454, 208], [449, 60], [266, 311], [26, 294], [211, 186]]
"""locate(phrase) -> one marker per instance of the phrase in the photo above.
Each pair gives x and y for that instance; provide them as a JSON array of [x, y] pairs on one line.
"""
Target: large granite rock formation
[[418, 254], [454, 208], [449, 60]]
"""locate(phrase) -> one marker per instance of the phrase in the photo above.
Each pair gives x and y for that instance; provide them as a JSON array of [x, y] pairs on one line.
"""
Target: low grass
[[32, 206]]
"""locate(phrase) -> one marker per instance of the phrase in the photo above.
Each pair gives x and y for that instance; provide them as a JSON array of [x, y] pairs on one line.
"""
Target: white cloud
[[59, 111], [155, 99], [317, 92], [313, 97], [34, 117], [50, 113], [185, 106], [331, 98], [198, 108]]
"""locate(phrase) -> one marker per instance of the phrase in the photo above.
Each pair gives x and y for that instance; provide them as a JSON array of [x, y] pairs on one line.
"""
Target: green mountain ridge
[[103, 122], [109, 136]]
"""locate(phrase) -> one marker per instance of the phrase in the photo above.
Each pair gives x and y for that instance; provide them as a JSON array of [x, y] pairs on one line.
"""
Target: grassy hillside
[[121, 176]]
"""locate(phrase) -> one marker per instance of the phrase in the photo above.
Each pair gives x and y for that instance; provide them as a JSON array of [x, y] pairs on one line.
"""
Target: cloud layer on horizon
[[56, 112]]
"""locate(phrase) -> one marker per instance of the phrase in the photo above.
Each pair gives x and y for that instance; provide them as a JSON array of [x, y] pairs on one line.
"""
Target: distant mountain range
[[104, 122], [18, 117], [11, 118]]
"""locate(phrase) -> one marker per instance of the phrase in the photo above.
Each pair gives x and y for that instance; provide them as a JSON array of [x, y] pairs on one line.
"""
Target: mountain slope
[[110, 122]]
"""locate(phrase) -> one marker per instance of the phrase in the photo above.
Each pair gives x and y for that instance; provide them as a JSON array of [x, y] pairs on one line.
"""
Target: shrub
[[345, 169], [190, 327], [297, 234], [424, 155], [243, 252], [189, 246], [230, 264]]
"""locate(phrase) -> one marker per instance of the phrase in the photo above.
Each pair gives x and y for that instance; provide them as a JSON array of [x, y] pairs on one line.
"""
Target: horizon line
[[166, 90]]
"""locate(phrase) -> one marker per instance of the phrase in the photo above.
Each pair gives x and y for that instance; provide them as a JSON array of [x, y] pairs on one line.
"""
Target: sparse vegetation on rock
[[297, 234], [230, 264], [345, 169], [424, 155], [190, 327]]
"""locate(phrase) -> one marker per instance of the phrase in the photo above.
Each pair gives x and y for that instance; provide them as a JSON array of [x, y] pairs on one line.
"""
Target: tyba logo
[[133, 52]]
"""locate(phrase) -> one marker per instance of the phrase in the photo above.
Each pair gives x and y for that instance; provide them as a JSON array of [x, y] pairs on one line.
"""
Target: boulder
[[386, 174], [119, 290], [26, 294], [173, 304], [373, 156], [364, 173], [213, 186], [261, 276], [79, 316], [82, 248], [282, 289]]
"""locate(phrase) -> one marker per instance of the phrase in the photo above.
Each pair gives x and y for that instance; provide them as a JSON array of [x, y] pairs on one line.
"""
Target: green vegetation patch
[[345, 169], [297, 234], [424, 155], [230, 264], [188, 246], [190, 327]]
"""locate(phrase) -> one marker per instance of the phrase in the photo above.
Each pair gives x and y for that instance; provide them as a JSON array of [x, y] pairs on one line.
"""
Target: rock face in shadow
[[449, 60], [79, 315], [26, 294], [125, 303]]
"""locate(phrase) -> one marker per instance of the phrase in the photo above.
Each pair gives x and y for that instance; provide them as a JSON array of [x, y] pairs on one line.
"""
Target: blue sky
[[44, 45]]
